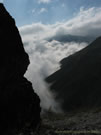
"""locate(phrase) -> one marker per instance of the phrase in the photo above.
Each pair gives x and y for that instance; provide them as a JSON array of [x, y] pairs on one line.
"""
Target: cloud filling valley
[[45, 55]]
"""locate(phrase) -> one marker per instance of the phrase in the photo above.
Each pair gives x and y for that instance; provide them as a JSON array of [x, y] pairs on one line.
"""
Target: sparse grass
[[81, 123]]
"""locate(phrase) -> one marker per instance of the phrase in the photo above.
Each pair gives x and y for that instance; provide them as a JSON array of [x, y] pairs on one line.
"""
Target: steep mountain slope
[[19, 104], [78, 82]]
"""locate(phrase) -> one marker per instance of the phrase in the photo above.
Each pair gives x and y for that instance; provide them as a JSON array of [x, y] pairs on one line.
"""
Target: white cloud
[[42, 10], [85, 23], [44, 55], [44, 1], [63, 5], [33, 11]]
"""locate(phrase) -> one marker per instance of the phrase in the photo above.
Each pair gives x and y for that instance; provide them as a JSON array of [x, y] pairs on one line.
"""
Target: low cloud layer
[[45, 55]]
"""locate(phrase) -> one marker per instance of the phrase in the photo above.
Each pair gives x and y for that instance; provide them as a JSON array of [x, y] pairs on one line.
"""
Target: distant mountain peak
[[71, 38]]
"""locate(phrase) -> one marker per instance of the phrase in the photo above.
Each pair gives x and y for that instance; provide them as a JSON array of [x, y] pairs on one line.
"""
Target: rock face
[[19, 105], [78, 82]]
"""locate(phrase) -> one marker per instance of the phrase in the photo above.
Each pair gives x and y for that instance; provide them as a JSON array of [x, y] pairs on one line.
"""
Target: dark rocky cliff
[[78, 82], [19, 105]]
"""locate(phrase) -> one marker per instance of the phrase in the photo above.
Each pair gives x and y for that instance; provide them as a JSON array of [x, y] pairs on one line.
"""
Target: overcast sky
[[46, 11]]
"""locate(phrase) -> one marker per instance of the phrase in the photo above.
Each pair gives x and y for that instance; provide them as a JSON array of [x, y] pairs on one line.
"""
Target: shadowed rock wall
[[19, 105]]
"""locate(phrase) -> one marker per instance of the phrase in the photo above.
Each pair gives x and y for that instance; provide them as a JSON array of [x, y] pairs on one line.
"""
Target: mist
[[44, 59]]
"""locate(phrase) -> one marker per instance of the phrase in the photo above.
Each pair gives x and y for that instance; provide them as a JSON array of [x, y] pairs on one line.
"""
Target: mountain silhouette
[[78, 82], [19, 104]]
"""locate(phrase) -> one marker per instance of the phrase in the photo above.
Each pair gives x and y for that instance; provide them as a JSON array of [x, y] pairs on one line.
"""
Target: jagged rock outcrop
[[78, 82], [19, 105]]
